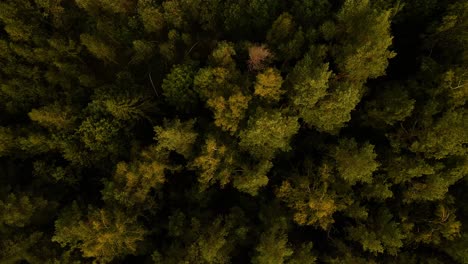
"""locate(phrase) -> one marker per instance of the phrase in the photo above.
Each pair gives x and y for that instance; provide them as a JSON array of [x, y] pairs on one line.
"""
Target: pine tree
[[215, 163], [237, 131], [383, 234], [355, 163], [19, 210], [363, 34], [268, 85], [390, 106], [53, 116], [176, 136], [309, 82], [102, 234], [99, 48], [133, 182], [151, 16], [7, 141], [267, 133], [311, 205], [273, 246], [286, 37], [228, 113], [178, 88]]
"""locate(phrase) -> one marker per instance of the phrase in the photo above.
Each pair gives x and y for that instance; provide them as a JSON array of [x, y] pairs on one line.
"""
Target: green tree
[[7, 141], [127, 108], [381, 234], [446, 136], [268, 85], [303, 254], [312, 203], [101, 234], [151, 16], [99, 48], [208, 131], [273, 246], [177, 88], [133, 182], [267, 133], [286, 37], [309, 82], [205, 240], [19, 210], [390, 106], [176, 136], [355, 163], [223, 55], [363, 37], [53, 116], [229, 112], [252, 177], [215, 163], [100, 135], [142, 51]]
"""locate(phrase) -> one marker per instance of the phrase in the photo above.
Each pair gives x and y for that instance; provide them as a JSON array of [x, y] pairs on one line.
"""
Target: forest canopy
[[222, 131]]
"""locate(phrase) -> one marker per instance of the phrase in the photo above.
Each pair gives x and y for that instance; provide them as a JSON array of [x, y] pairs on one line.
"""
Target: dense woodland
[[233, 131]]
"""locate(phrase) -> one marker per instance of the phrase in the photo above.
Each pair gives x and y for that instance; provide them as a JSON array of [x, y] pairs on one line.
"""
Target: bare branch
[[152, 84]]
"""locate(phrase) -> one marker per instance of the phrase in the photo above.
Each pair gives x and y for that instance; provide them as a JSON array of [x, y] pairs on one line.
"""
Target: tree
[[244, 19], [216, 162], [435, 185], [259, 57], [382, 234], [314, 206], [286, 37], [99, 135], [126, 108], [19, 210], [174, 15], [355, 163], [390, 106], [273, 246], [228, 113], [177, 88], [268, 85], [439, 225], [7, 141], [24, 247], [53, 116], [176, 136], [102, 234], [457, 249], [309, 82], [363, 34], [201, 244], [303, 254], [447, 136], [151, 16], [236, 131], [223, 55], [267, 133], [210, 82], [333, 111], [133, 182], [99, 48], [252, 177], [142, 51]]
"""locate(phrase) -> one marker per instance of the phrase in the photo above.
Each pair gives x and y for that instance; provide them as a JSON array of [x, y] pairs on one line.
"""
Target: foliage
[[104, 235], [354, 163], [177, 87], [236, 131], [268, 132], [268, 85]]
